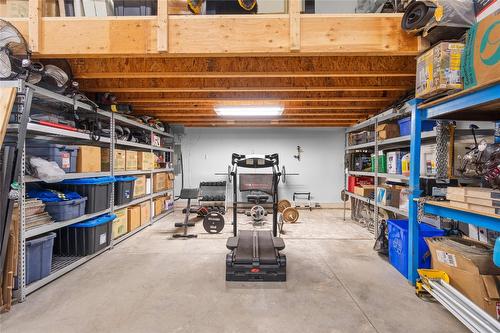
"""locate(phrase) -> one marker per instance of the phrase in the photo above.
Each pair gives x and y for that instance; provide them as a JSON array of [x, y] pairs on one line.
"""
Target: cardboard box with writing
[[119, 159], [438, 70], [145, 212], [134, 218], [88, 159], [481, 63], [387, 131], [364, 190], [130, 160], [388, 196], [140, 186], [469, 264], [120, 223], [145, 160]]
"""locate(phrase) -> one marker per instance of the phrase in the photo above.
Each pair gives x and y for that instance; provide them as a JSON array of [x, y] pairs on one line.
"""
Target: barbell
[[283, 173]]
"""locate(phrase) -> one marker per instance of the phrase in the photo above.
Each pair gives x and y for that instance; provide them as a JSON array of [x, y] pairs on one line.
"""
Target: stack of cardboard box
[[478, 199]]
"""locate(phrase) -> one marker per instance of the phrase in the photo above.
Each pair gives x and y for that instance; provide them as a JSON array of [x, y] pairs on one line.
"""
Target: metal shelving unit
[[477, 104], [62, 265], [399, 142]]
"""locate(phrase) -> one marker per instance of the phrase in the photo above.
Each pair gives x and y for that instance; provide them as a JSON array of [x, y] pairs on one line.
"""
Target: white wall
[[208, 150]]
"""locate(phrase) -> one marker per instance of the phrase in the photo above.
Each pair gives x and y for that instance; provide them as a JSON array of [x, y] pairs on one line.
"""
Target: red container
[[353, 181]]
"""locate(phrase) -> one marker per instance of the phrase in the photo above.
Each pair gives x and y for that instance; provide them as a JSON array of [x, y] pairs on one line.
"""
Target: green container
[[382, 163]]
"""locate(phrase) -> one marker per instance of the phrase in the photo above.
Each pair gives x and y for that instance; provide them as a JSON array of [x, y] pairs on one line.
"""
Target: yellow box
[[119, 160], [145, 212], [120, 223], [130, 160], [134, 218], [145, 160], [438, 70], [88, 159], [140, 186]]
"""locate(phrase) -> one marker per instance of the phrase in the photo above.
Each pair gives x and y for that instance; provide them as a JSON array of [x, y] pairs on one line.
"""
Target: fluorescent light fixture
[[249, 111]]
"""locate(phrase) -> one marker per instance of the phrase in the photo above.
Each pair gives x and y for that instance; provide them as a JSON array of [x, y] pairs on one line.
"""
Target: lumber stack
[[477, 199]]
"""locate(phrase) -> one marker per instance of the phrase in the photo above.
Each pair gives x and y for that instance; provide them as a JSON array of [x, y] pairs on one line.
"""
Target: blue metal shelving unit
[[475, 104]]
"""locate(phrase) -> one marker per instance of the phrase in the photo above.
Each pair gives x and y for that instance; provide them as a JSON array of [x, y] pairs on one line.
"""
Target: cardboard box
[[130, 160], [364, 190], [469, 264], [145, 212], [120, 223], [119, 159], [387, 131], [140, 186], [394, 162], [145, 160], [388, 196], [438, 70], [481, 63], [159, 181], [88, 159], [484, 8], [134, 218], [353, 181], [159, 205]]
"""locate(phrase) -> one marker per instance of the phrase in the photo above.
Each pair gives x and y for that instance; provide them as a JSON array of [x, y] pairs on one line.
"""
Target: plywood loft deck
[[327, 70]]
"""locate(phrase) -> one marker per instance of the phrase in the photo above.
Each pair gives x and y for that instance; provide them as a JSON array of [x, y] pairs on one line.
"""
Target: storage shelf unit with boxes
[[82, 193]]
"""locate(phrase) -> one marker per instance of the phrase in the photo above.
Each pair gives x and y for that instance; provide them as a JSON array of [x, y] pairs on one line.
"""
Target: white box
[[148, 185], [394, 162]]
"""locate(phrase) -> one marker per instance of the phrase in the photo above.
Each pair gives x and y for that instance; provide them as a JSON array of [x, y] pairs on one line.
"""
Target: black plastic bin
[[39, 257], [97, 190], [85, 238], [124, 189], [66, 210], [135, 7], [63, 155]]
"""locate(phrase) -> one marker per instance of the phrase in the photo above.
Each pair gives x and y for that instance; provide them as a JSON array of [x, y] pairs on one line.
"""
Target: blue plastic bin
[[66, 210], [405, 126], [398, 244], [39, 257], [84, 238], [97, 190], [63, 155], [124, 189]]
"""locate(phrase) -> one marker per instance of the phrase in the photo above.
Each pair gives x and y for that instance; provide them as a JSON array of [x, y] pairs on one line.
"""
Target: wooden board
[[446, 204], [7, 99]]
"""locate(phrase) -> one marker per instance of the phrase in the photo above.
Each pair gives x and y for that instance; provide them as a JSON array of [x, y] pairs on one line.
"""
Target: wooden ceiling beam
[[136, 101], [238, 75], [145, 90]]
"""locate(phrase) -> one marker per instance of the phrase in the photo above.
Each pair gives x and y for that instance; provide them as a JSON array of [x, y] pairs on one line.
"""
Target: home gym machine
[[255, 254]]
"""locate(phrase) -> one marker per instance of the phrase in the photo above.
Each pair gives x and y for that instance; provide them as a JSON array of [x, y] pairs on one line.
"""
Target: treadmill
[[255, 254]]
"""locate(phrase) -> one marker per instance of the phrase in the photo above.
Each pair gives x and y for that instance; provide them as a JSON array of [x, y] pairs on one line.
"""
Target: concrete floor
[[150, 283]]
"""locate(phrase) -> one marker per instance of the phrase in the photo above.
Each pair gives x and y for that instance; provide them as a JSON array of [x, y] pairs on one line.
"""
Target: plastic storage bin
[[85, 238], [135, 7], [64, 156], [97, 190], [405, 126], [66, 210], [124, 189], [39, 257], [398, 244]]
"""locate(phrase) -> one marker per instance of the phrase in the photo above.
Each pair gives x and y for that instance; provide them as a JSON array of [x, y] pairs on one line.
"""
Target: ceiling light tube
[[249, 111]]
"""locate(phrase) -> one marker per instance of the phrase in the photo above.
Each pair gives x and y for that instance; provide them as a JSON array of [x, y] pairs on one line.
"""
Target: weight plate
[[290, 215], [213, 223], [257, 213], [283, 174], [283, 204], [229, 174]]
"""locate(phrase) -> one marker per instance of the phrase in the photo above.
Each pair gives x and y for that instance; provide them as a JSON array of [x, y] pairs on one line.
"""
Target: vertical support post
[[235, 199], [413, 231], [112, 143], [375, 181], [294, 14], [162, 31], [34, 24]]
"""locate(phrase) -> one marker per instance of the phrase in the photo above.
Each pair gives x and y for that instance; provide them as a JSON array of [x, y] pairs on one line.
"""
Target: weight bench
[[187, 193]]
